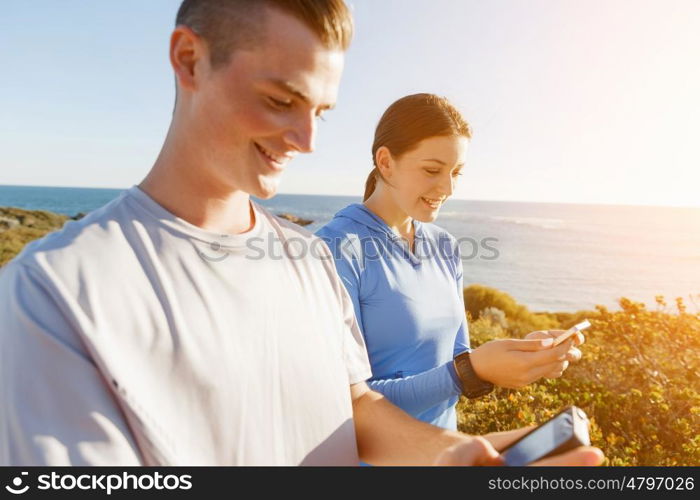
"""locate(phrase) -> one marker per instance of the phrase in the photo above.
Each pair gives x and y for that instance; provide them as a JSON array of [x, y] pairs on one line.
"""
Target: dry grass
[[18, 227]]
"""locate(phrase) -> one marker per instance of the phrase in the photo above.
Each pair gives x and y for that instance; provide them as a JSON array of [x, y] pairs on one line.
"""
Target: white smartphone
[[570, 332]]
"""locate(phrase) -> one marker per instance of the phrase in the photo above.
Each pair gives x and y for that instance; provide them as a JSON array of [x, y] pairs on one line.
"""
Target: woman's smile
[[433, 203]]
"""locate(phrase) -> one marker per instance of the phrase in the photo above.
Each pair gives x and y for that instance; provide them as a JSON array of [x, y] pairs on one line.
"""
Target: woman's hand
[[514, 363], [573, 355]]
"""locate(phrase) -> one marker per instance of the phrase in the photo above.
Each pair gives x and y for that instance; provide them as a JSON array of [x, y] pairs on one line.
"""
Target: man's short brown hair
[[227, 25]]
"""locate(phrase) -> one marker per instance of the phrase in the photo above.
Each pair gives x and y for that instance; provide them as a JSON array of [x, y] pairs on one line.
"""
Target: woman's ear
[[384, 162]]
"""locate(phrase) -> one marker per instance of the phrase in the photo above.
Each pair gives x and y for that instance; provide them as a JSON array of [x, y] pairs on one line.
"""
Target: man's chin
[[265, 189]]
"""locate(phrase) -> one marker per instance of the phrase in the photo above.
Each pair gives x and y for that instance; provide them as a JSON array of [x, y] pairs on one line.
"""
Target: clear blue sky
[[575, 101]]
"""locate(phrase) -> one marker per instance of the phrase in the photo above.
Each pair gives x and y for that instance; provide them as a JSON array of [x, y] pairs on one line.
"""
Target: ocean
[[549, 257]]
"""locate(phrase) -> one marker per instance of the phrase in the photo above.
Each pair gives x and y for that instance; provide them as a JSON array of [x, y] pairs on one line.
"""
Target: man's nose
[[302, 135]]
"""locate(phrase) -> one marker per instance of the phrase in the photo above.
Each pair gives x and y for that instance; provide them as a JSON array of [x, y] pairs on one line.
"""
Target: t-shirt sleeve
[[347, 276], [350, 277], [355, 351], [55, 406]]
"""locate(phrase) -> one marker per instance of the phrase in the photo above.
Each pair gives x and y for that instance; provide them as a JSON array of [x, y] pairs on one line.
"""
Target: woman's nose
[[447, 185]]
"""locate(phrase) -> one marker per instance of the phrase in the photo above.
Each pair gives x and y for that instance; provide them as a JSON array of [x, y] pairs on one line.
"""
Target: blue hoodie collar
[[359, 213]]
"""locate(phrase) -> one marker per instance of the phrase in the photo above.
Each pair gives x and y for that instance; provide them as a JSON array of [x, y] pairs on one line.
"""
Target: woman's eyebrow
[[440, 161]]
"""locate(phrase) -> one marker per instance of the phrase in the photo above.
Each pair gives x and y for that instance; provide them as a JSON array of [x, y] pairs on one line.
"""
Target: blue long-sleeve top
[[409, 306]]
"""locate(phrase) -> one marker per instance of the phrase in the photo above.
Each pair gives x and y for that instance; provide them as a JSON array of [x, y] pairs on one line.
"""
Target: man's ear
[[187, 52], [384, 162]]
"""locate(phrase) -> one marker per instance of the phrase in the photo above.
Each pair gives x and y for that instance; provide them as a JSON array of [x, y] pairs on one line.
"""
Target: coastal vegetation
[[18, 227], [639, 379]]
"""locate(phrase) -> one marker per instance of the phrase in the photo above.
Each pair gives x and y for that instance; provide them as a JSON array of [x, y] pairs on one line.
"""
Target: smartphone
[[568, 429], [570, 332]]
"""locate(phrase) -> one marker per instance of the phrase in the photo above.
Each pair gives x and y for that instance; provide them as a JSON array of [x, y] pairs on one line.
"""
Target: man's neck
[[175, 184]]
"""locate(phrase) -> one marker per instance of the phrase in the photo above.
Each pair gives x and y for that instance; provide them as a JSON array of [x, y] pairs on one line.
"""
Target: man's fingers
[[500, 440], [475, 451], [586, 456]]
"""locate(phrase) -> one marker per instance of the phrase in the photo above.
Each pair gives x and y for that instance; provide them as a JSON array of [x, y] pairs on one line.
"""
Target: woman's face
[[424, 177]]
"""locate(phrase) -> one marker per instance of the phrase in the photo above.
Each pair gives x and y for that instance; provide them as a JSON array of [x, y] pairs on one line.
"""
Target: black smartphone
[[566, 430]]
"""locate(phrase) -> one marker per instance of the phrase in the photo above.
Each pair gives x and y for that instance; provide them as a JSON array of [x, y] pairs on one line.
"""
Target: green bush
[[639, 382], [521, 320]]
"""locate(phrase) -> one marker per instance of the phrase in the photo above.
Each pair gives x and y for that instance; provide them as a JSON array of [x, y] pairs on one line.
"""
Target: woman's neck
[[386, 209]]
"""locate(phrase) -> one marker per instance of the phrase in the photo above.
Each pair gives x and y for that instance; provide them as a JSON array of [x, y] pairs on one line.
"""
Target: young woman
[[404, 274]]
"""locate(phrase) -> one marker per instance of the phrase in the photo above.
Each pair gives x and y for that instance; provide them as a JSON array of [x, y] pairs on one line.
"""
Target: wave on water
[[531, 221], [539, 222]]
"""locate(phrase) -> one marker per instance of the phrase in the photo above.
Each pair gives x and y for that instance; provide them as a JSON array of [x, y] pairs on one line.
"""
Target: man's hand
[[473, 450], [482, 451], [500, 440], [485, 448], [583, 456], [386, 435]]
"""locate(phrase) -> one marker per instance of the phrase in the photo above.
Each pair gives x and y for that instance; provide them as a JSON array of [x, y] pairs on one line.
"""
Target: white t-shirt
[[134, 337]]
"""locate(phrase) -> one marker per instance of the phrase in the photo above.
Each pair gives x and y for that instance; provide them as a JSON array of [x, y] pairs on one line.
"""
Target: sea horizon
[[549, 256], [551, 202]]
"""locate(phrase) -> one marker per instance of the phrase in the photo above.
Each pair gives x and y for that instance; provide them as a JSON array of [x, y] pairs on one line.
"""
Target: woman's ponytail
[[371, 183]]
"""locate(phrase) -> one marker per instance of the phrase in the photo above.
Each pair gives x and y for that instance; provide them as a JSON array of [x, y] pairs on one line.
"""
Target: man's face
[[253, 115]]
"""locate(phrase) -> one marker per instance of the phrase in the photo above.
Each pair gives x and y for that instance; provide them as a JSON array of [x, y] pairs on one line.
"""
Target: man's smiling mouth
[[276, 161]]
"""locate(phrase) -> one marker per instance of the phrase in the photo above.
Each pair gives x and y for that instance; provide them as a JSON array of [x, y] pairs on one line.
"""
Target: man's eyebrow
[[288, 87]]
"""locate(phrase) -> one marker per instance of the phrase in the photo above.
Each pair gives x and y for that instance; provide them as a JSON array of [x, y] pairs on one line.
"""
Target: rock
[[295, 219], [18, 227], [36, 219], [7, 223]]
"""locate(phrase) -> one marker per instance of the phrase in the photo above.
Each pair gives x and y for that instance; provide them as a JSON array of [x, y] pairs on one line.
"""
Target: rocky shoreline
[[18, 227], [296, 220]]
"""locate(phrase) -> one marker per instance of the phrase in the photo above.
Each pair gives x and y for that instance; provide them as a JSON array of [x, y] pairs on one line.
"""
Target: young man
[[152, 331]]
